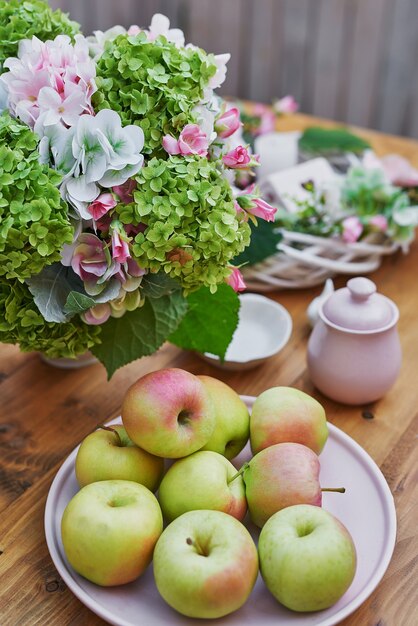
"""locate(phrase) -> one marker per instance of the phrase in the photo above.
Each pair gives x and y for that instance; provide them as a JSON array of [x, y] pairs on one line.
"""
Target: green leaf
[[51, 288], [210, 321], [331, 140], [78, 303], [264, 239], [158, 285], [141, 332]]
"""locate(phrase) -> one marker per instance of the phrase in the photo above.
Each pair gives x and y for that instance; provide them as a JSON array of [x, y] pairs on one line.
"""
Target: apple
[[205, 564], [202, 481], [280, 476], [231, 416], [109, 454], [168, 413], [284, 414], [307, 558], [109, 530]]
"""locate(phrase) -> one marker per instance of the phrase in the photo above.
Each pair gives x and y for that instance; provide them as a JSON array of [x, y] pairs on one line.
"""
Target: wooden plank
[[370, 32], [328, 55], [295, 36], [399, 64], [265, 41]]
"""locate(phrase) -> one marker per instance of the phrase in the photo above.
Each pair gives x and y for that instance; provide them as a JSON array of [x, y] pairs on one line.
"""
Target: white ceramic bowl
[[263, 329]]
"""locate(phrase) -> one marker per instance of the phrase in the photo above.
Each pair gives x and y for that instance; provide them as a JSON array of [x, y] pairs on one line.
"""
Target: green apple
[[232, 427], [280, 476], [205, 564], [168, 413], [284, 414], [307, 558], [109, 530], [109, 454], [202, 481]]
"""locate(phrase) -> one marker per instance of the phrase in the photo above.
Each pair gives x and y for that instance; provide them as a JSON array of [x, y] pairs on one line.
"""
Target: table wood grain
[[45, 412]]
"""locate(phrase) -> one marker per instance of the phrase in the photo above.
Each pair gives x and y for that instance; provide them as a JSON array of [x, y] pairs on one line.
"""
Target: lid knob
[[361, 288]]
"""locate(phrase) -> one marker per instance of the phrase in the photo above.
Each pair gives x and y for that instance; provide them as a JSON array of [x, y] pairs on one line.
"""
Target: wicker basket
[[306, 260]]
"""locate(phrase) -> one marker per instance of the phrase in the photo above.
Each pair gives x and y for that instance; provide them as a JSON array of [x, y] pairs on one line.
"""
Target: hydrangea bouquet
[[120, 205]]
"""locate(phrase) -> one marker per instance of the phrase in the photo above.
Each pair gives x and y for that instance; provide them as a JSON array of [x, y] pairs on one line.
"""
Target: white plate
[[264, 328], [367, 510]]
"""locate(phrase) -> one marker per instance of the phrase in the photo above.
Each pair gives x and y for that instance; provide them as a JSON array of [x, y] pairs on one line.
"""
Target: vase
[[82, 360]]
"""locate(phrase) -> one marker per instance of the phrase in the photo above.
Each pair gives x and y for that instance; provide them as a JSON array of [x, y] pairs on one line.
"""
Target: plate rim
[[344, 612]]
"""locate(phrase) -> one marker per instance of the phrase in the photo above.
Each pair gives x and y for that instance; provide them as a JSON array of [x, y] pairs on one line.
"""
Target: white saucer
[[264, 328]]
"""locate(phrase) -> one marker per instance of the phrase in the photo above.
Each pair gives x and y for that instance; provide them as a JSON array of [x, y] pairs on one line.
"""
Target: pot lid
[[358, 307]]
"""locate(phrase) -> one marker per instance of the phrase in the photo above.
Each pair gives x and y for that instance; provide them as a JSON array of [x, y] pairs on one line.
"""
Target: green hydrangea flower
[[33, 218], [153, 84], [22, 323], [193, 229], [21, 19]]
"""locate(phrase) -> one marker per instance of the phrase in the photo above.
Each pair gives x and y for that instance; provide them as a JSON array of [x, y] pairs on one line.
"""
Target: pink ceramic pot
[[354, 354]]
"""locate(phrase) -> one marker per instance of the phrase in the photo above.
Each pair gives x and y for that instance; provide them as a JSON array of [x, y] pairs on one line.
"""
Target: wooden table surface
[[45, 412]]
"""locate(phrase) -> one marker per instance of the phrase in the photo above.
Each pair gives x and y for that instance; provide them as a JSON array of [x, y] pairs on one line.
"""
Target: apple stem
[[335, 489], [241, 471], [196, 545], [112, 430]]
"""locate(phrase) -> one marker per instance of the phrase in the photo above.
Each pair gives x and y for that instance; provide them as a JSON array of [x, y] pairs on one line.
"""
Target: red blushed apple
[[284, 414], [168, 413], [280, 476]]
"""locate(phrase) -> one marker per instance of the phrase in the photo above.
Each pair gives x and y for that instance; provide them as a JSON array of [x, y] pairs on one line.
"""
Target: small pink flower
[[352, 229], [228, 123], [263, 209], [235, 280], [103, 203], [267, 119], [98, 314], [89, 259], [171, 145], [57, 107], [286, 105], [379, 222], [239, 157], [192, 140], [120, 248], [125, 191]]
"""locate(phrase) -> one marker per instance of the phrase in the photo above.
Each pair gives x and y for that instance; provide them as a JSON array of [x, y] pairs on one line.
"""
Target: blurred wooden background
[[349, 60]]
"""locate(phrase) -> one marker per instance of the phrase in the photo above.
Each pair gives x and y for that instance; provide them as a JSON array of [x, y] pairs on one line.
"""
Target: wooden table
[[45, 412]]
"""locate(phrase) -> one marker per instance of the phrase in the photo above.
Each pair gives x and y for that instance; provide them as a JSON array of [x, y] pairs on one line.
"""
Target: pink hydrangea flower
[[228, 123], [192, 140], [120, 248], [239, 157], [133, 269], [286, 105], [235, 280], [102, 205], [89, 258], [98, 314], [52, 80], [352, 229], [379, 222], [125, 191]]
